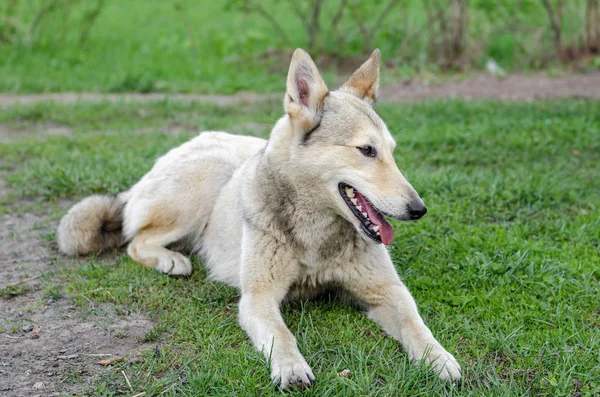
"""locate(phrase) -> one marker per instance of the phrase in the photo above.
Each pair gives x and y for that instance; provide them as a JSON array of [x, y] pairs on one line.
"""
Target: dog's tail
[[92, 225]]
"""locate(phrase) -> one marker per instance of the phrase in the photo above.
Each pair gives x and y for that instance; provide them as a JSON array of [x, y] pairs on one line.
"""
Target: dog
[[285, 218]]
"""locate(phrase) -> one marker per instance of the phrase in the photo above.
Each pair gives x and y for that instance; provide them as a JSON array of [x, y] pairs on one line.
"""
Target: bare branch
[[378, 23], [300, 14], [338, 15], [314, 27], [41, 14], [384, 14], [554, 17], [369, 33], [303, 17], [89, 21], [269, 17], [334, 25]]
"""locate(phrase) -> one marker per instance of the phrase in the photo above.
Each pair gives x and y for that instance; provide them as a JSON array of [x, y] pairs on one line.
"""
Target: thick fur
[[269, 219], [92, 225]]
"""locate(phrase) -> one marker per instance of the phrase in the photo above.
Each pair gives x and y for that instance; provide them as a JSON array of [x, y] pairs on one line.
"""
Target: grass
[[13, 290], [138, 46], [505, 267], [148, 45]]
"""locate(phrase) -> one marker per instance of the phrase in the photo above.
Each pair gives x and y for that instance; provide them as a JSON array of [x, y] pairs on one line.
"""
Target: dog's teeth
[[350, 192], [353, 200], [376, 228], [378, 234], [365, 214], [359, 207]]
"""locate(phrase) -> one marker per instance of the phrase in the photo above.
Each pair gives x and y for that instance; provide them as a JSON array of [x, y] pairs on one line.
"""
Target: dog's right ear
[[305, 91]]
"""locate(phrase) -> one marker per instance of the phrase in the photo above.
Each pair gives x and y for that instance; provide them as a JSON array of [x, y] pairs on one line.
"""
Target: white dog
[[280, 219]]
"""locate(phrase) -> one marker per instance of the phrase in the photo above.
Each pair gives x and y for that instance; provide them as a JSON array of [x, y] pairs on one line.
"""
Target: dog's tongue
[[385, 229]]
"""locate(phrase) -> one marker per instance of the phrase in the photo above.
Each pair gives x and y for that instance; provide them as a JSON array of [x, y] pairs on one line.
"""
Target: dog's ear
[[364, 83], [305, 90]]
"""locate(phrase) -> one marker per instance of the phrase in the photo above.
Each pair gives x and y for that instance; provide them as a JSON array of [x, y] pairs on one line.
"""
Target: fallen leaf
[[345, 373], [37, 330], [111, 361]]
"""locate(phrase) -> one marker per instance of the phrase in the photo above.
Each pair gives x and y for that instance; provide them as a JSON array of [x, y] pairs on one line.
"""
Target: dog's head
[[341, 152]]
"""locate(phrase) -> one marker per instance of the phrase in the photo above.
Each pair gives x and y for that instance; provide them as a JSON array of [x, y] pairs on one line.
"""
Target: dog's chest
[[324, 239], [330, 254]]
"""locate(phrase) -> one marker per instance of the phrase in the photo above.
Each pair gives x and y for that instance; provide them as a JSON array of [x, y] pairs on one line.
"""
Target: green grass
[[13, 290], [147, 45], [140, 46], [505, 267]]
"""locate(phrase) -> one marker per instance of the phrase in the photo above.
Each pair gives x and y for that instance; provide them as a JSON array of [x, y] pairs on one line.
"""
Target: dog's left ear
[[364, 83], [305, 91]]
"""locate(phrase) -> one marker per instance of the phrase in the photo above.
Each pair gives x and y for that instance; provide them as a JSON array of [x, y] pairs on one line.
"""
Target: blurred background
[[232, 45]]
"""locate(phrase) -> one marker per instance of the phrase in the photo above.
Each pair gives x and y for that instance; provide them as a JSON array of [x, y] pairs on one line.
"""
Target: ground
[[504, 266], [49, 345], [481, 86]]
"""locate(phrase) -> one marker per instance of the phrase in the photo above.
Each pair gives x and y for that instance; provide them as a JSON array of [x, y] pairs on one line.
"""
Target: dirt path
[[514, 87], [48, 346], [482, 86], [72, 97]]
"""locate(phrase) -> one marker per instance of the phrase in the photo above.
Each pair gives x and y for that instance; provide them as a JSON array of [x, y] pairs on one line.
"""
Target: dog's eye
[[368, 151]]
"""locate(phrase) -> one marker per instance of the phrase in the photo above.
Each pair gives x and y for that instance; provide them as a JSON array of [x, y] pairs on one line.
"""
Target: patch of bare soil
[[47, 345], [53, 129], [514, 87], [73, 97], [54, 347], [479, 86]]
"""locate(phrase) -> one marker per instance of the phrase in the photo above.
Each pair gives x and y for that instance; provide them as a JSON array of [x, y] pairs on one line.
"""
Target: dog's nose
[[416, 210]]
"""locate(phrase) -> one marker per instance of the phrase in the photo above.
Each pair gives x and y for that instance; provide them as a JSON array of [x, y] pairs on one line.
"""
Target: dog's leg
[[391, 305], [148, 248], [267, 274]]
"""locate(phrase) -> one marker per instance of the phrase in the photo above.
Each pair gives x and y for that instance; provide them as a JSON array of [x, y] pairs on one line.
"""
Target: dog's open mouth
[[372, 220]]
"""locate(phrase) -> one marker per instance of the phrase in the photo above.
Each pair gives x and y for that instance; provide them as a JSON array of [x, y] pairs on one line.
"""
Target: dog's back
[[178, 194]]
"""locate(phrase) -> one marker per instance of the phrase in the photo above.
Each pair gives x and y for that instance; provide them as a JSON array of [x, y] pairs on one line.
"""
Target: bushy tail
[[92, 225]]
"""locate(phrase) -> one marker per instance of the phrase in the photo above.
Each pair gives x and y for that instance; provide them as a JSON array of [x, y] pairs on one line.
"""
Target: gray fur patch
[[285, 213], [279, 204], [343, 238]]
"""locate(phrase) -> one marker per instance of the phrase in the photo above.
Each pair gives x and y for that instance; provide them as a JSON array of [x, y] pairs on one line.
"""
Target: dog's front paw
[[442, 363], [291, 372]]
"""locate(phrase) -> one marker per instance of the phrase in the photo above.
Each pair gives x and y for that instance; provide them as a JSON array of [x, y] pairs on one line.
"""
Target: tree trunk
[[592, 27], [459, 27]]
